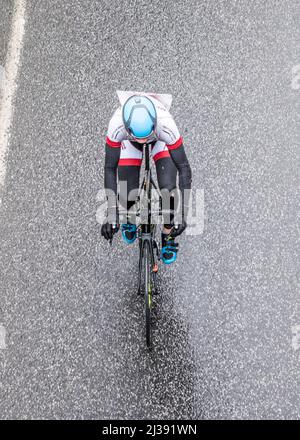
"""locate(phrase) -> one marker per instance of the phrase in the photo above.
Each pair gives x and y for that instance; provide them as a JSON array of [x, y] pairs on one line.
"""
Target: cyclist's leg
[[128, 174], [166, 175]]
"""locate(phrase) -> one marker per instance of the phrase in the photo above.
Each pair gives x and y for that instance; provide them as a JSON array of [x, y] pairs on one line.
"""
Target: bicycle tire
[[148, 293]]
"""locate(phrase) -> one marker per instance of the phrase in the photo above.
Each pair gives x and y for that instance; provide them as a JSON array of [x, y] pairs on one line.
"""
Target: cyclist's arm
[[169, 133], [112, 155], [185, 174], [114, 138], [182, 164]]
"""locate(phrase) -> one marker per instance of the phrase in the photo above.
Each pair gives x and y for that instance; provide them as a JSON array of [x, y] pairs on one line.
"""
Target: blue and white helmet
[[139, 116]]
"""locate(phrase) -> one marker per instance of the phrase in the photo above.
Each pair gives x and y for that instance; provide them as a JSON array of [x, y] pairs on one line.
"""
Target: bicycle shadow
[[156, 384]]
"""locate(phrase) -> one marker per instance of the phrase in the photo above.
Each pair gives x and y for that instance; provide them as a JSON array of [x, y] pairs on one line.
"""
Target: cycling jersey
[[166, 142], [165, 137]]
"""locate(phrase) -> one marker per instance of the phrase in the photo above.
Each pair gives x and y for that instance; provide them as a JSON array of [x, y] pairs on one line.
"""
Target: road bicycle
[[149, 245]]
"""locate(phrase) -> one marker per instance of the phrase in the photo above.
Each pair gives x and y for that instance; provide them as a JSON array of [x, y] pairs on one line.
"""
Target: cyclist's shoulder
[[116, 116], [166, 129], [116, 131]]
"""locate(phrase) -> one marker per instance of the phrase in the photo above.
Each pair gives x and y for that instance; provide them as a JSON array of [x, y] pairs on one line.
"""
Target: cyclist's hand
[[177, 230], [108, 230]]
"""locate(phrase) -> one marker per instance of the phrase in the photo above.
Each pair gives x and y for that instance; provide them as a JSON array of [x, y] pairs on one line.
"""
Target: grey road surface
[[6, 8], [223, 332]]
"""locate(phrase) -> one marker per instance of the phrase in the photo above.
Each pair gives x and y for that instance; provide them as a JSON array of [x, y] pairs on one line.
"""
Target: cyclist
[[145, 118]]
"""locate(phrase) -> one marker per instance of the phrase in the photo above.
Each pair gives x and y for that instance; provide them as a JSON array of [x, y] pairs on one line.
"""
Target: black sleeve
[[112, 156], [185, 174]]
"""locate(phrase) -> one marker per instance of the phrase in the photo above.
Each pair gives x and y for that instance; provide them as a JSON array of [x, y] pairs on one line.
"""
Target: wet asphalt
[[6, 8], [223, 341]]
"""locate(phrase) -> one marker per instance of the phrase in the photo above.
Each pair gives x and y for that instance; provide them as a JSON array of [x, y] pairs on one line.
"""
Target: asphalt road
[[6, 8], [223, 328]]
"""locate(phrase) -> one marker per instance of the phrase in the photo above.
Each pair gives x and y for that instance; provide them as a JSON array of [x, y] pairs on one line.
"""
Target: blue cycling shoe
[[169, 250], [128, 232]]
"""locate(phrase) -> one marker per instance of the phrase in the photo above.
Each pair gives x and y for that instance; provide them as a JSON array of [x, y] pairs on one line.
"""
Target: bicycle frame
[[147, 230]]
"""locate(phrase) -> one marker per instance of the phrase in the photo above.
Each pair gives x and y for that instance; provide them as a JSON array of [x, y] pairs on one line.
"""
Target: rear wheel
[[148, 292], [139, 289], [154, 266]]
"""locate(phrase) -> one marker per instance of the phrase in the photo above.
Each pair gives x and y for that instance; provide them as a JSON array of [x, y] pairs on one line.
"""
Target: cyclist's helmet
[[139, 116]]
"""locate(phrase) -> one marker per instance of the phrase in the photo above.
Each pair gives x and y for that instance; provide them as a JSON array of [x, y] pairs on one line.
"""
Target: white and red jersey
[[166, 136]]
